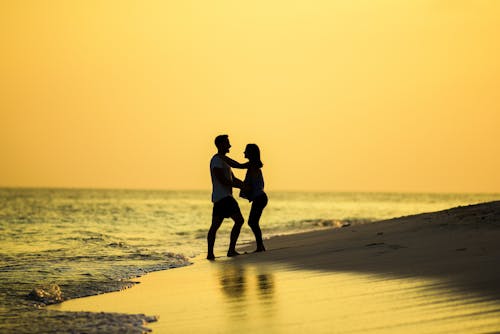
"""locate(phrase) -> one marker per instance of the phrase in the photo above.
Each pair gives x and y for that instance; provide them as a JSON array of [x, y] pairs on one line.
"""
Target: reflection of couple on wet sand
[[234, 282], [224, 204]]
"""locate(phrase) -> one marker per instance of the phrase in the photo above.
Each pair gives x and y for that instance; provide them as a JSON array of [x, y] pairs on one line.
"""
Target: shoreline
[[450, 254]]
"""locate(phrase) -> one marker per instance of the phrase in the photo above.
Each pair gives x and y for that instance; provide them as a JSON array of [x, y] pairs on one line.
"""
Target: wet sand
[[432, 273]]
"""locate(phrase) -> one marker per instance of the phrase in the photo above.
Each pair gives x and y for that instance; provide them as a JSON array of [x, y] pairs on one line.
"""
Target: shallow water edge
[[27, 314]]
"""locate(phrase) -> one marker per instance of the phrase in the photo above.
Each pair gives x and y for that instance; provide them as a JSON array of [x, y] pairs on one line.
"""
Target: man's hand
[[237, 183]]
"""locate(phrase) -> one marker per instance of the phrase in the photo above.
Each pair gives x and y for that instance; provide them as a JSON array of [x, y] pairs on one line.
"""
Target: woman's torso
[[255, 181]]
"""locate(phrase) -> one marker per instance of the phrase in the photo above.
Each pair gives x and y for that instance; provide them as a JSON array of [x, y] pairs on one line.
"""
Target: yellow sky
[[365, 95]]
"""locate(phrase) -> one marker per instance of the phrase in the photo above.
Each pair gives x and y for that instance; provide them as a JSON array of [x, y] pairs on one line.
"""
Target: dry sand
[[428, 273]]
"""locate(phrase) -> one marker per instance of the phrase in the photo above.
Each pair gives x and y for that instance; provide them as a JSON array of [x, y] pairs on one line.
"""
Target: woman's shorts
[[260, 201]]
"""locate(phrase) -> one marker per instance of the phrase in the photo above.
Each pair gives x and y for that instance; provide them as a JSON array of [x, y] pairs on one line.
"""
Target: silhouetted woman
[[253, 190]]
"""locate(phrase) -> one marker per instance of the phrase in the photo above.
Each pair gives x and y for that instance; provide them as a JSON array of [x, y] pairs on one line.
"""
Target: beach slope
[[434, 273]]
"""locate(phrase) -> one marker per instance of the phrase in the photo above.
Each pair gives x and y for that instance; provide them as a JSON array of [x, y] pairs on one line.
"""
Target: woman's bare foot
[[260, 248]]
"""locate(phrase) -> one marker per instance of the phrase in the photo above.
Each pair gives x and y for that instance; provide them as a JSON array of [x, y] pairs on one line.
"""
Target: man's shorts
[[226, 207]]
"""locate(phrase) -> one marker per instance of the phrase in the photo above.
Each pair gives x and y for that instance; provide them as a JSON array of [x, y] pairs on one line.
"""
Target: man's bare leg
[[216, 223], [235, 233]]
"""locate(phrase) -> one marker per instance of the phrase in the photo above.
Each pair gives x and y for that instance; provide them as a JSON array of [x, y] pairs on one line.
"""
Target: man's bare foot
[[210, 257], [232, 253]]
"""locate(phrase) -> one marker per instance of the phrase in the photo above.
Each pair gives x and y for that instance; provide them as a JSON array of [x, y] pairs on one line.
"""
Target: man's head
[[222, 143]]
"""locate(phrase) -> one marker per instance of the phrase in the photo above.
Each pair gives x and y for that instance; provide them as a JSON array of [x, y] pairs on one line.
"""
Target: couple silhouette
[[224, 204]]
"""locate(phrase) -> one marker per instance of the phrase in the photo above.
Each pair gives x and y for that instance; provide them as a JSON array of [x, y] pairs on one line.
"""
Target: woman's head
[[252, 153]]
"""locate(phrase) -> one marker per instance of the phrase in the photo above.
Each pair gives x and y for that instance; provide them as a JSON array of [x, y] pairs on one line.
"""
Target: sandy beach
[[428, 273]]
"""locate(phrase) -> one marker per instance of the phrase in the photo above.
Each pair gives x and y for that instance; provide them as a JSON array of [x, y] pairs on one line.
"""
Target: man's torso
[[220, 190]]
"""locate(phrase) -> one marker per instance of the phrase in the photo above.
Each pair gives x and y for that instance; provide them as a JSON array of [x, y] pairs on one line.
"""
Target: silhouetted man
[[225, 206]]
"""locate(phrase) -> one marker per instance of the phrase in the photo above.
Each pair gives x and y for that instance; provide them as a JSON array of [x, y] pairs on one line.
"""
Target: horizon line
[[274, 190]]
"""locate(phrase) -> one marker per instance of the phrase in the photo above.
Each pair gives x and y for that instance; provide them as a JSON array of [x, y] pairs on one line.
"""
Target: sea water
[[89, 241]]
